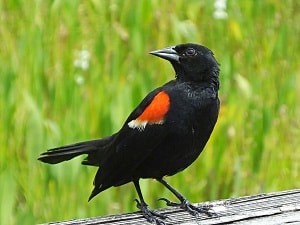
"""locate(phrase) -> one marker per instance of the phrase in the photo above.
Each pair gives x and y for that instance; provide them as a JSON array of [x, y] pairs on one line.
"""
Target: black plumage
[[164, 134]]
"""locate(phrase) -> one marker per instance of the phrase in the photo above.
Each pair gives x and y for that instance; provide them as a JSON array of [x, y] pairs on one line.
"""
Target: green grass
[[254, 147]]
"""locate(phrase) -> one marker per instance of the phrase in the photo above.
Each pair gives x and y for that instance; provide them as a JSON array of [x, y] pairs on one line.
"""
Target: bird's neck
[[214, 79], [210, 79]]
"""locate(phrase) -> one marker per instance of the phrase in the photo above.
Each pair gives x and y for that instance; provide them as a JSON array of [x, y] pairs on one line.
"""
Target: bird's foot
[[150, 215], [189, 207]]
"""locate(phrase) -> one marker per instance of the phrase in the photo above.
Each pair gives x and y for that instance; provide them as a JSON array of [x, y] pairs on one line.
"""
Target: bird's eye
[[190, 52]]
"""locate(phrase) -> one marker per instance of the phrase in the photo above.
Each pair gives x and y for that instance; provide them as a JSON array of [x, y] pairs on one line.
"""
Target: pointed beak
[[167, 53]]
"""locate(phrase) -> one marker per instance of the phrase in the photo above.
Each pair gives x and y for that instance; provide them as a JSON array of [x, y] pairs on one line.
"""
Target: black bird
[[164, 134]]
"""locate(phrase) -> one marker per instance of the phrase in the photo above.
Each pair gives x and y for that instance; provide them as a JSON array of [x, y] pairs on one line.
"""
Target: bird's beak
[[167, 53]]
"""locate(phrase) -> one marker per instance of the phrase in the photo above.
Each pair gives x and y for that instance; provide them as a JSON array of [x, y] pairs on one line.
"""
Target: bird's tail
[[94, 148]]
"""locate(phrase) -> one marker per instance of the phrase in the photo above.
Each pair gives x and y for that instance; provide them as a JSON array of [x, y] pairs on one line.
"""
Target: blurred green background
[[73, 70]]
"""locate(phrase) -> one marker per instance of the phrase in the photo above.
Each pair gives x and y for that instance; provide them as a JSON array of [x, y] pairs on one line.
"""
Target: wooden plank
[[272, 208]]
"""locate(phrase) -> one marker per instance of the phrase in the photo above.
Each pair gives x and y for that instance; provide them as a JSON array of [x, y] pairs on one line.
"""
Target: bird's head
[[191, 62]]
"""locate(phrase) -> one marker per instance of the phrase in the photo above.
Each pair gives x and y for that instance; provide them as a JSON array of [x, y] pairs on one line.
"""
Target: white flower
[[83, 59], [79, 80], [220, 10]]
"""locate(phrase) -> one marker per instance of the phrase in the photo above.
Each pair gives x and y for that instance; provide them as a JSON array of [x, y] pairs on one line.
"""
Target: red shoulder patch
[[157, 109], [154, 113]]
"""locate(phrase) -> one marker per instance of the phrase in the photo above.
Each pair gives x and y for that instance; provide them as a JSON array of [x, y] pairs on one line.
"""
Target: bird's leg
[[184, 203], [150, 215]]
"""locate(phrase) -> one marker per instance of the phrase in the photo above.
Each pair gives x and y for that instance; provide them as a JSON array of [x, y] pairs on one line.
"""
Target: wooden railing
[[266, 209]]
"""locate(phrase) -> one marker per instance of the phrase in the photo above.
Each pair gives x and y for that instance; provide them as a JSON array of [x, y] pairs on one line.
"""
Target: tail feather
[[95, 150]]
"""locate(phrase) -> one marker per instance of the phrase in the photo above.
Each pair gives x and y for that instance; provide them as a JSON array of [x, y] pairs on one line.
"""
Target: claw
[[168, 202], [184, 203], [137, 203], [187, 206], [194, 210], [206, 209], [150, 215]]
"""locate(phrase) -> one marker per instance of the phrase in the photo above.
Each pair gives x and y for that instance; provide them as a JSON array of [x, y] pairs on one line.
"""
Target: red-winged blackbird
[[163, 135]]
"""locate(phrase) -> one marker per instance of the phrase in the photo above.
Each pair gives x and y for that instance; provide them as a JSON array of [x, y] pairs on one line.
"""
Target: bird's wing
[[143, 130]]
